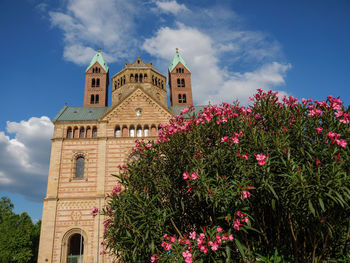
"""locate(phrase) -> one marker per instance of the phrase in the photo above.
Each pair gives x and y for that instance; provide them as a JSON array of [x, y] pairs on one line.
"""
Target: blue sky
[[300, 48]]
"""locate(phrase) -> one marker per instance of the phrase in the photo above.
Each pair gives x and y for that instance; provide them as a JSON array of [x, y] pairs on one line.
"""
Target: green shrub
[[274, 175]]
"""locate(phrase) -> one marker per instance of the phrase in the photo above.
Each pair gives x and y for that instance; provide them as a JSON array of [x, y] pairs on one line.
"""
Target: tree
[[268, 181], [18, 235]]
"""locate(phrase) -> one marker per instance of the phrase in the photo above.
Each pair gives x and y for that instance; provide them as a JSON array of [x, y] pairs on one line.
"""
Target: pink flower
[[319, 130], [237, 224], [194, 176], [230, 237], [214, 245], [219, 229], [154, 258], [245, 194], [342, 143], [188, 260], [338, 114], [235, 140], [224, 139], [193, 235], [117, 189], [94, 211], [185, 175], [260, 158], [186, 254], [149, 145]]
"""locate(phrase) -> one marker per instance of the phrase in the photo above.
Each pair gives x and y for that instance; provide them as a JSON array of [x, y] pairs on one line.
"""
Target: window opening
[[94, 132], [79, 169]]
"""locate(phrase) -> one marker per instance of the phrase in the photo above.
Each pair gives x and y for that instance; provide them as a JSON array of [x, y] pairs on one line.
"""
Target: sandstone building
[[90, 142]]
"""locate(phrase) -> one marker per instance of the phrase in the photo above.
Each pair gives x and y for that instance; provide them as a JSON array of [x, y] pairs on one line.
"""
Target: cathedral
[[90, 142]]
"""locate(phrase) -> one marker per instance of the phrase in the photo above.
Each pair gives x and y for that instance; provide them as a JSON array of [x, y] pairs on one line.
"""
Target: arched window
[[92, 99], [93, 83], [131, 77], [177, 70], [180, 98], [82, 133], [97, 82], [99, 70], [153, 80], [117, 132], [79, 167], [178, 83], [97, 98], [153, 130], [118, 83], [139, 131], [88, 132], [141, 77], [69, 133], [182, 83], [75, 248], [123, 80], [115, 85], [94, 132], [182, 70], [125, 131], [158, 82], [93, 70], [76, 132], [136, 77], [162, 84], [145, 78], [184, 98], [132, 131], [146, 130]]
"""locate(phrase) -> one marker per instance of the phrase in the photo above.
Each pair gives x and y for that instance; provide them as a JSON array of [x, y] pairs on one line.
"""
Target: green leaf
[[240, 247], [311, 208], [321, 203]]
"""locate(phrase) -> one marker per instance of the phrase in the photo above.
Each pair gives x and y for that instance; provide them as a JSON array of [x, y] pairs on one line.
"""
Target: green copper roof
[[177, 58], [80, 113], [98, 58], [177, 109]]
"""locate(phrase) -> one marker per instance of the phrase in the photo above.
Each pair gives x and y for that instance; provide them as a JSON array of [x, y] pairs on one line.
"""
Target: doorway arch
[[74, 246]]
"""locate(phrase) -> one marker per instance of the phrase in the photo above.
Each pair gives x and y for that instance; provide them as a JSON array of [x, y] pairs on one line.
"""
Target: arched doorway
[[75, 248]]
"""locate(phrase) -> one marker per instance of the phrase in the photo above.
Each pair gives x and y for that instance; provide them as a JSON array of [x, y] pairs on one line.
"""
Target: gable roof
[[80, 113], [98, 58], [176, 60], [110, 109]]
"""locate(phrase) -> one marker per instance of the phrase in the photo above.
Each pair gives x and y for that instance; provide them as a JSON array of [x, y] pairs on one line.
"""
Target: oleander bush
[[268, 182]]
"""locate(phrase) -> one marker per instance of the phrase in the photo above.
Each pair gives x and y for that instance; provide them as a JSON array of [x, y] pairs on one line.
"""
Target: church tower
[[96, 82], [180, 82]]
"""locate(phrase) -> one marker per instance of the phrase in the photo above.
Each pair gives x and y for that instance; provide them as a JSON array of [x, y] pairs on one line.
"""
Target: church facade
[[90, 142]]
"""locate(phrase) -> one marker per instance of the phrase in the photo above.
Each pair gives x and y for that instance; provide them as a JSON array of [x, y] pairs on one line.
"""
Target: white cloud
[[89, 24], [24, 160], [210, 79], [172, 7]]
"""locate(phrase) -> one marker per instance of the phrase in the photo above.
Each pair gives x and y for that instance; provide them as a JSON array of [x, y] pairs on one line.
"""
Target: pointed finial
[[177, 50]]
